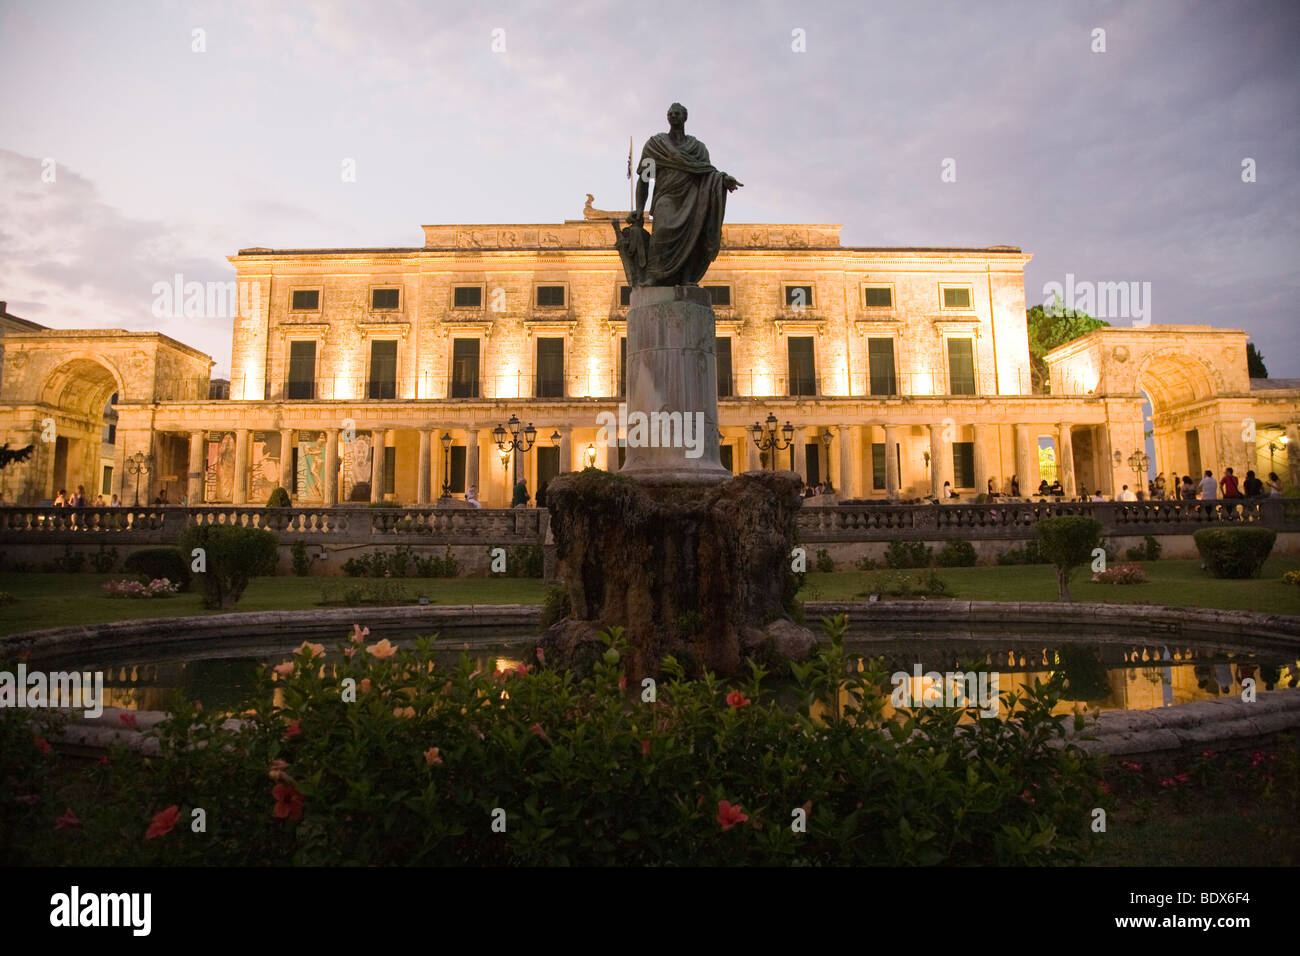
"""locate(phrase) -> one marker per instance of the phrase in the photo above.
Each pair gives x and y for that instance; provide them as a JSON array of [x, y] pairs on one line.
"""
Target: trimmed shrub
[[1235, 552], [957, 554], [279, 499], [435, 567], [908, 554], [232, 555], [1149, 550], [103, 559], [301, 559], [1029, 554], [866, 564], [72, 561], [1067, 542], [1291, 577], [154, 563], [896, 584], [825, 563]]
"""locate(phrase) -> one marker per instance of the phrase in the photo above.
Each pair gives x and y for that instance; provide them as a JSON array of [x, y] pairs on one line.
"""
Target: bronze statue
[[690, 199]]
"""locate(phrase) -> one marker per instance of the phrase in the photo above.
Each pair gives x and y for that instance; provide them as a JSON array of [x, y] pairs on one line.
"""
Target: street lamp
[[590, 455], [769, 441], [445, 441], [555, 439], [1138, 461], [139, 464], [515, 442]]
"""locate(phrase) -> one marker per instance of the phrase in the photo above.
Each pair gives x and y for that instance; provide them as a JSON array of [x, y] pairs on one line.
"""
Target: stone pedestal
[[672, 380], [702, 572]]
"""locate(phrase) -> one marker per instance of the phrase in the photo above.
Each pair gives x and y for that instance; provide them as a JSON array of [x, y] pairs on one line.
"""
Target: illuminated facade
[[899, 370]]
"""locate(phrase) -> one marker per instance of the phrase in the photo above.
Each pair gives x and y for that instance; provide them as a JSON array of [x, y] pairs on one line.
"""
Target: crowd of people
[[1208, 488]]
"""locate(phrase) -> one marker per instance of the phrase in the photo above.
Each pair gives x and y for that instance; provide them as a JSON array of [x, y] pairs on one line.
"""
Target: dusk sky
[[1123, 165]]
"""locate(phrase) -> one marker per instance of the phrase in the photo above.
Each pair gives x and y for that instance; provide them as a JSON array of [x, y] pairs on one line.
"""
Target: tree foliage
[[1050, 328], [1067, 542], [8, 456], [1255, 362]]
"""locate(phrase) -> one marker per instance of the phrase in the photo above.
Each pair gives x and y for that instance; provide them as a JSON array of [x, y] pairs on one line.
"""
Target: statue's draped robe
[[690, 198]]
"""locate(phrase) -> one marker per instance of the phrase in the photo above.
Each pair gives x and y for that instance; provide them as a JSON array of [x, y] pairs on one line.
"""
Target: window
[[548, 465], [812, 459], [956, 298], [622, 366], [719, 295], [727, 458], [457, 464], [383, 369], [464, 368], [306, 300], [961, 366], [550, 296], [106, 485], [963, 464], [467, 297], [390, 469], [302, 370], [385, 298], [722, 352], [803, 367], [880, 361], [798, 296], [880, 297], [1193, 439], [625, 295], [550, 368]]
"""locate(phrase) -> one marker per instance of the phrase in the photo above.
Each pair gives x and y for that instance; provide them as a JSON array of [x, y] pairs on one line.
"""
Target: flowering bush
[[1121, 574], [383, 756], [1292, 577], [157, 588]]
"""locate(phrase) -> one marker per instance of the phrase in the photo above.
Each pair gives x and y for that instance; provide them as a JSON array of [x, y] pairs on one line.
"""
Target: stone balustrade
[[842, 523]]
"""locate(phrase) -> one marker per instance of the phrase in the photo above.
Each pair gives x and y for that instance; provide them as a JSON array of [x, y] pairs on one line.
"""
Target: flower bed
[[157, 588], [1121, 574]]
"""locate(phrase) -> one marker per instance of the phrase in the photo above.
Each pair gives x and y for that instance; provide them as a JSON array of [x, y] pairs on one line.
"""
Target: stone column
[[378, 437], [845, 483], [979, 440], [1065, 445], [331, 466], [286, 459], [471, 462], [753, 455], [241, 466], [566, 449], [422, 469], [1026, 460], [1292, 455], [891, 462], [800, 453], [194, 485], [940, 460]]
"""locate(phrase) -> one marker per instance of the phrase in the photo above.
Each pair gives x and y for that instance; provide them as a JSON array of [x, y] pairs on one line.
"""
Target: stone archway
[[77, 390], [1173, 380]]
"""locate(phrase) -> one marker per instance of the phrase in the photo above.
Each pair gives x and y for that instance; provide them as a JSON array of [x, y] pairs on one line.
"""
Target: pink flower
[[406, 712], [69, 819], [737, 699], [1181, 778], [622, 682], [431, 757], [730, 814], [316, 650], [127, 719], [1105, 787], [283, 670], [1207, 754], [359, 633], [104, 761], [541, 655], [163, 822], [1168, 782], [537, 729], [293, 730], [383, 650], [365, 685], [645, 748], [42, 745], [288, 802], [277, 769]]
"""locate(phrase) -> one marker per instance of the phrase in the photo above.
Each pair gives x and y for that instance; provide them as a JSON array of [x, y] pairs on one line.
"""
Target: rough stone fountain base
[[699, 572]]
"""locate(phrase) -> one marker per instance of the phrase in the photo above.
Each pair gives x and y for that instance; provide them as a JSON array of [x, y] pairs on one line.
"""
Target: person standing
[[472, 496], [1229, 484], [1015, 487], [1252, 486], [1209, 487], [1274, 485], [1126, 495], [1188, 490], [1158, 487], [521, 496]]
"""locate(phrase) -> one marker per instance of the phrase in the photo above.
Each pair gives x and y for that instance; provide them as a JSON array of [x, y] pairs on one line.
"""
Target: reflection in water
[[1115, 674]]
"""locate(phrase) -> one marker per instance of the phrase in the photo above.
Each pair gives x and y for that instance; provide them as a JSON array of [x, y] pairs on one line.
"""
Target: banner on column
[[356, 465], [311, 467], [265, 466], [219, 479]]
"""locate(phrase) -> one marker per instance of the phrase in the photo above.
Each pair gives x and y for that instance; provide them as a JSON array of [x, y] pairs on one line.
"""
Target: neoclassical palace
[[385, 374]]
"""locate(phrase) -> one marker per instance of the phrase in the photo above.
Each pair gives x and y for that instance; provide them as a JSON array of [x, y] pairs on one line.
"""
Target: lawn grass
[[1176, 583], [64, 600]]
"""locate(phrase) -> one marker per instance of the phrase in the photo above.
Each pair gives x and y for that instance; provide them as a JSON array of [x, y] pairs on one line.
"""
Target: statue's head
[[676, 115]]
